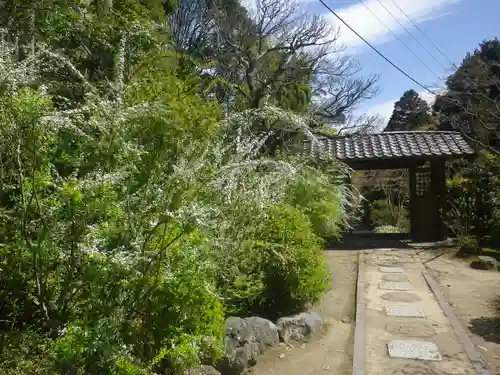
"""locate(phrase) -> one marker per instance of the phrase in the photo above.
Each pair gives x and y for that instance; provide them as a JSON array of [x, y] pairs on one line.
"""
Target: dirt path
[[475, 299], [405, 328], [332, 353]]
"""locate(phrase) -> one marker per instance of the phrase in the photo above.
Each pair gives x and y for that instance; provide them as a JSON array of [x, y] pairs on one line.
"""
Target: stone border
[[461, 333], [358, 358]]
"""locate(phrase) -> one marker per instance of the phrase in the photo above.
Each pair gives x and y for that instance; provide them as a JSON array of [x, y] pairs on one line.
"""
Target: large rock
[[264, 331], [245, 340], [203, 370], [483, 262], [299, 327], [469, 249]]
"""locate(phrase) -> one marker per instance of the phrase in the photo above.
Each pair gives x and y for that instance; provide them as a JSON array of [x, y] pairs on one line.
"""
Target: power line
[[400, 40], [423, 33], [409, 33], [375, 49], [485, 71]]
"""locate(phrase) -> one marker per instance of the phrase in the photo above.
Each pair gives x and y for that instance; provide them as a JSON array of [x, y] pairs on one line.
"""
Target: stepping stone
[[414, 349], [401, 297], [405, 311], [389, 285], [395, 277], [391, 269], [408, 260], [411, 329]]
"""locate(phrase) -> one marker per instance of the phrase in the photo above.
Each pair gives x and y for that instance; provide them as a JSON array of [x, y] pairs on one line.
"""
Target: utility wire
[[409, 33], [423, 33], [485, 70], [375, 49], [430, 40], [434, 44], [400, 40]]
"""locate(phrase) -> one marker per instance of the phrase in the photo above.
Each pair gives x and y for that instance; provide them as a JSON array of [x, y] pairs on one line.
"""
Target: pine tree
[[471, 101], [410, 113]]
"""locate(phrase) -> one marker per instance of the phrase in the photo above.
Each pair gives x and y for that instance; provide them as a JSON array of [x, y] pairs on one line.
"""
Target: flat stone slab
[[405, 311], [399, 277], [408, 260], [391, 269], [412, 329], [390, 285], [401, 297], [414, 349]]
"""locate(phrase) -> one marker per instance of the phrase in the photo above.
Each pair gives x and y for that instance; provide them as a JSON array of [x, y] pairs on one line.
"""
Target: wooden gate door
[[424, 212]]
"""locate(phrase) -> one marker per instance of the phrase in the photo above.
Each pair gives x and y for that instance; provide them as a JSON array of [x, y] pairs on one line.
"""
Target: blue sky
[[455, 26]]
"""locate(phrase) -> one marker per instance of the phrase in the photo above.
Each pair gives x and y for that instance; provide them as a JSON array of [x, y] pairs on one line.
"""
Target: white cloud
[[428, 97], [383, 110], [367, 25], [361, 20]]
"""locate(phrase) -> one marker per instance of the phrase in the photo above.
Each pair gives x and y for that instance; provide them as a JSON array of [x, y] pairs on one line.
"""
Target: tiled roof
[[393, 145]]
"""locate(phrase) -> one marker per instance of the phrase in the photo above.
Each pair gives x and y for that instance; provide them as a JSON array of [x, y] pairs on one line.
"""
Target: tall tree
[[471, 102], [282, 47], [410, 113], [273, 53], [195, 25], [338, 88]]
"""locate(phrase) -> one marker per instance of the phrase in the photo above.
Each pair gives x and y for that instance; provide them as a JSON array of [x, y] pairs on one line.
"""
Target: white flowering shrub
[[102, 239], [321, 192], [132, 223]]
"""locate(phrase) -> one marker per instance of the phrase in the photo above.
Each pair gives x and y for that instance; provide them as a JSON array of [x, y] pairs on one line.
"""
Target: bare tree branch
[[270, 49], [359, 125], [283, 45], [338, 89]]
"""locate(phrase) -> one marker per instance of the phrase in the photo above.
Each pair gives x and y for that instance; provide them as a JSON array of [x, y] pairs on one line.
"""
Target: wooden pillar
[[438, 173], [412, 183]]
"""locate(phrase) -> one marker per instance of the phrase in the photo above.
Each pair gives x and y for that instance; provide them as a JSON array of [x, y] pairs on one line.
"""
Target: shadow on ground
[[365, 241], [488, 327], [390, 241]]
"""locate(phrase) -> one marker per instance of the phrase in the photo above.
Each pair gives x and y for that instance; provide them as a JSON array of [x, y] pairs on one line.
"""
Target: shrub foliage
[[131, 227]]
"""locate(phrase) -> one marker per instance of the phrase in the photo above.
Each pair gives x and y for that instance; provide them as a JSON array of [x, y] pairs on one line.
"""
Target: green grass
[[386, 229], [495, 253]]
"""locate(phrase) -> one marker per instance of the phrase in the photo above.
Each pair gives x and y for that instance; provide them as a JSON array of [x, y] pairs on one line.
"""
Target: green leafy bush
[[295, 273], [169, 319], [468, 246], [102, 253], [320, 192], [473, 200], [279, 268], [133, 219], [25, 351], [320, 202], [130, 229], [385, 213]]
